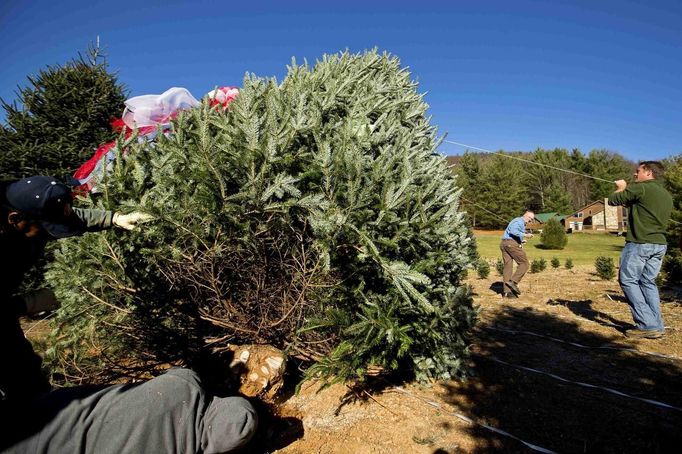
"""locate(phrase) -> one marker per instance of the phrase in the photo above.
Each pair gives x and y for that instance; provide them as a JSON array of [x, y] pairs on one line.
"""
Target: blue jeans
[[639, 266]]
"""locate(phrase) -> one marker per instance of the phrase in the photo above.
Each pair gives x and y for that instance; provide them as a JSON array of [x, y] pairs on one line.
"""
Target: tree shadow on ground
[[274, 431], [547, 248], [584, 309], [558, 415]]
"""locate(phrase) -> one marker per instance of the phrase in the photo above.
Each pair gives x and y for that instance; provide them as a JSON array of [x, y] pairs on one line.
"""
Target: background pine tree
[[672, 263], [60, 117], [313, 215]]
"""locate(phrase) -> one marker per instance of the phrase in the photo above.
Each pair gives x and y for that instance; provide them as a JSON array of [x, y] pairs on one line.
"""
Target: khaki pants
[[513, 252]]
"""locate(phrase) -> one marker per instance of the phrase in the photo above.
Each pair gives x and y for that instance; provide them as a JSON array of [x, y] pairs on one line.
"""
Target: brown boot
[[644, 333]]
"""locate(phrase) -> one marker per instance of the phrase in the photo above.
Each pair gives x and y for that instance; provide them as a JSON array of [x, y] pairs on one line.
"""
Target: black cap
[[44, 199]]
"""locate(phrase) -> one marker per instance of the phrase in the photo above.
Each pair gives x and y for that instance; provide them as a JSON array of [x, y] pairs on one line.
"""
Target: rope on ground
[[575, 344], [585, 385], [49, 314], [474, 422]]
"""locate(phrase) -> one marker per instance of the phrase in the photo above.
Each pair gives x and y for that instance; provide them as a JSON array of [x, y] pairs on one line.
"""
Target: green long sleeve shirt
[[649, 207], [94, 220]]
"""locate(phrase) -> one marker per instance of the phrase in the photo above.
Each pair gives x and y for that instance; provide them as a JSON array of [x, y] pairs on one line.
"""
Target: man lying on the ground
[[168, 414]]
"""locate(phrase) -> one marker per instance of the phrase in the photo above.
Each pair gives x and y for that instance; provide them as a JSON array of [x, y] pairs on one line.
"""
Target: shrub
[[483, 269], [569, 263], [556, 263], [605, 267], [672, 267], [538, 265], [499, 267], [553, 235], [313, 215]]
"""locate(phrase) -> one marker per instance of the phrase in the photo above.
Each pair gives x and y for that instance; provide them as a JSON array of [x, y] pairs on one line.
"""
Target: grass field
[[581, 247]]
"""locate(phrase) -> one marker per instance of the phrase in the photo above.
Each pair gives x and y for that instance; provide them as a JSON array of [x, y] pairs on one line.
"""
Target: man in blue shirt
[[512, 251]]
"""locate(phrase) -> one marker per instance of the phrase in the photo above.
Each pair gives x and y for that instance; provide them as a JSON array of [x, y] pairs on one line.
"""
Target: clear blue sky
[[508, 74]]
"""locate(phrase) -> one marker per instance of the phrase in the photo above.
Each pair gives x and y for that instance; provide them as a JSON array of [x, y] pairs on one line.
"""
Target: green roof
[[544, 217]]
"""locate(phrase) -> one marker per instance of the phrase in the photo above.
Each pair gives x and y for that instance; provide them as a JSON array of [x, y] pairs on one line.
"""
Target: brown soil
[[573, 306], [569, 305]]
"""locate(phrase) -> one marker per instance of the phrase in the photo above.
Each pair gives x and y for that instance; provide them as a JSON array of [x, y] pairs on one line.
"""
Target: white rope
[[474, 422], [535, 163], [528, 161], [575, 344], [484, 209], [585, 385], [48, 315]]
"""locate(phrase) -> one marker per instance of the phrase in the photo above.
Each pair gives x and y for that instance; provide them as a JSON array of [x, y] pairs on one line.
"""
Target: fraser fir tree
[[558, 200], [538, 265], [553, 235], [499, 192], [672, 263], [314, 215], [61, 116], [605, 267]]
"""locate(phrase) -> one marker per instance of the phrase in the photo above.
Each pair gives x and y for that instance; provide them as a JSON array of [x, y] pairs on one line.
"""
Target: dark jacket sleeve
[[94, 220], [626, 197]]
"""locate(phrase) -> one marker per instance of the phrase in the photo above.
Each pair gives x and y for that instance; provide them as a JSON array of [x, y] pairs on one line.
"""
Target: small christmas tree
[[499, 267], [483, 269], [605, 267], [553, 235], [538, 265], [313, 215]]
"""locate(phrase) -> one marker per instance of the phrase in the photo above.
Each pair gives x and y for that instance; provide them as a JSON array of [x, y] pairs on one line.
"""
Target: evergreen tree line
[[497, 189]]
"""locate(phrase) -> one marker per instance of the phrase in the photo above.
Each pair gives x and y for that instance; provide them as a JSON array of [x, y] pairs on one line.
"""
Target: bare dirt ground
[[517, 345], [527, 356]]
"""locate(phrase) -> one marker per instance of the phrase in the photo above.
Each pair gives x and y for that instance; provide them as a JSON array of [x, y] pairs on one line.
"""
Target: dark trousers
[[513, 252]]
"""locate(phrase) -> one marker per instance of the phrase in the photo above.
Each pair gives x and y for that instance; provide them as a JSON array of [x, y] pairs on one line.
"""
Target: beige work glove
[[42, 300], [130, 221]]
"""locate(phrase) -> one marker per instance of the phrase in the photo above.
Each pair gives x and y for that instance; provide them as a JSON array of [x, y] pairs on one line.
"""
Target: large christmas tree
[[313, 215]]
